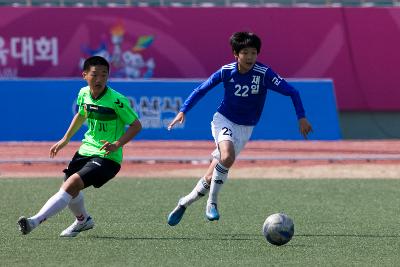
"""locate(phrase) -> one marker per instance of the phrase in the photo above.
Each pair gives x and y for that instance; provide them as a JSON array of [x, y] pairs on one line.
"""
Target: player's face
[[246, 59], [96, 78]]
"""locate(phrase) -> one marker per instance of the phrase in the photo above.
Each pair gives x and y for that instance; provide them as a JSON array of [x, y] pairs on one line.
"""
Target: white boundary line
[[191, 159]]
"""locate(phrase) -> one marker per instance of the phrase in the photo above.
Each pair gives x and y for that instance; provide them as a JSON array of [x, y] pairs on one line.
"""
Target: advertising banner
[[41, 110], [346, 45]]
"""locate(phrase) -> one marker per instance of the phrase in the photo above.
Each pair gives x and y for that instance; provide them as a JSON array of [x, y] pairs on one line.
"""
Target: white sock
[[200, 190], [77, 206], [54, 205], [220, 174]]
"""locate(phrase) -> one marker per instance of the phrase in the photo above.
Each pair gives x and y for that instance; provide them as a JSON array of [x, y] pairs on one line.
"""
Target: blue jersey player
[[246, 82]]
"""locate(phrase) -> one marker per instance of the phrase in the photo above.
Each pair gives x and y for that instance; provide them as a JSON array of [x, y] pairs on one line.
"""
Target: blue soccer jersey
[[245, 94]]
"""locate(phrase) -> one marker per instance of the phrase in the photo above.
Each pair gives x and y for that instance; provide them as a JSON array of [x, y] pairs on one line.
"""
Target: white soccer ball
[[278, 229]]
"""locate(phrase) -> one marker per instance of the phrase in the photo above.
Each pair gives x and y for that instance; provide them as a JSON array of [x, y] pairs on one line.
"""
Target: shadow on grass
[[221, 237], [348, 235]]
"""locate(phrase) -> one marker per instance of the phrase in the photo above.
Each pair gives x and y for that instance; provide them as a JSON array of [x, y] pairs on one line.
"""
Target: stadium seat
[[240, 4], [176, 4], [207, 4]]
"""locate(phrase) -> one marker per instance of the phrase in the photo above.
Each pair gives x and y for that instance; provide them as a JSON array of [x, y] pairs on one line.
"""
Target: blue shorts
[[93, 170]]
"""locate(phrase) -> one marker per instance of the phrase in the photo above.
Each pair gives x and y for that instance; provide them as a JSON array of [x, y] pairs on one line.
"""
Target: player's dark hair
[[95, 61], [240, 40]]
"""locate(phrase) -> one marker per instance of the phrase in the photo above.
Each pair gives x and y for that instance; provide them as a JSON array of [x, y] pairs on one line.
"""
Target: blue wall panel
[[41, 110]]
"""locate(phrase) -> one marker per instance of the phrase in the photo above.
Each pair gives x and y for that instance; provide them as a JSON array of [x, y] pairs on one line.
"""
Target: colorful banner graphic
[[356, 47]]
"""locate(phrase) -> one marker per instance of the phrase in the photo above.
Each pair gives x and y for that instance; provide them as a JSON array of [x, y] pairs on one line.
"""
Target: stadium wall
[[41, 110], [356, 47], [369, 125]]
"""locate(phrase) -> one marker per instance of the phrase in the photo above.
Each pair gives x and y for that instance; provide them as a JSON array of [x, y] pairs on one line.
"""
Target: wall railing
[[198, 3]]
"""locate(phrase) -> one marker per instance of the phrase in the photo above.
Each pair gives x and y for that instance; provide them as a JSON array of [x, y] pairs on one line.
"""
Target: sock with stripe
[[77, 207], [54, 205], [220, 175], [200, 190]]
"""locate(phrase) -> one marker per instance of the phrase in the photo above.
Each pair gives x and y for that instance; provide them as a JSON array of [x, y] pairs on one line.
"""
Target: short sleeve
[[124, 110], [80, 104]]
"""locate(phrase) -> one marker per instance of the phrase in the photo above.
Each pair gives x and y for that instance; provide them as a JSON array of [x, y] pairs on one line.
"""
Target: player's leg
[[54, 205], [96, 172], [83, 220], [222, 131], [219, 176], [231, 139], [77, 207], [201, 189]]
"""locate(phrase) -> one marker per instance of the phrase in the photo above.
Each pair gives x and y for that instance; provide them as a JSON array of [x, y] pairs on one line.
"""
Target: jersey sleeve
[[80, 104], [201, 91], [124, 110], [274, 82]]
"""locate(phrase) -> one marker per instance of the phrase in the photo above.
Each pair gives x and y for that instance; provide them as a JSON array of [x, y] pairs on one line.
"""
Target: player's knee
[[73, 185], [227, 160]]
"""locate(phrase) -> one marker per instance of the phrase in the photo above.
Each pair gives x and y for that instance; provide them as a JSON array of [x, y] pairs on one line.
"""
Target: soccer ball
[[278, 229]]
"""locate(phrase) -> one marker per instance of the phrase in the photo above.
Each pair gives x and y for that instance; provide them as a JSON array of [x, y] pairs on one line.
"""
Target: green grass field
[[337, 223]]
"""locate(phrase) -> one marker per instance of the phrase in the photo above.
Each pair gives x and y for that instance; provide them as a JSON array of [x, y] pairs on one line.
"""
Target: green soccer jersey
[[106, 117]]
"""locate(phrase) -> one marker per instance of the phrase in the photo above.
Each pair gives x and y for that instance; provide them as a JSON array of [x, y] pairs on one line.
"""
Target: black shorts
[[93, 170]]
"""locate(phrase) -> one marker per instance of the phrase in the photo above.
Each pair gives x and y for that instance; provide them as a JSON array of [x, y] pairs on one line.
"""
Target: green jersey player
[[98, 159]]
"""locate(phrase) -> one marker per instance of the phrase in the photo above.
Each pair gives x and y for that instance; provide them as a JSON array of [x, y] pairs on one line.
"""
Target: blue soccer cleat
[[176, 215], [212, 212]]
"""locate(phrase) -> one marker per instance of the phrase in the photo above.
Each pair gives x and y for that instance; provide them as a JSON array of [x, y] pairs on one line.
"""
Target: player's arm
[[75, 125], [133, 129], [195, 96], [280, 85]]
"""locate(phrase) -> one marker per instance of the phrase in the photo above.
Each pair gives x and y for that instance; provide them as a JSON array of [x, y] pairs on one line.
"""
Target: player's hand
[[305, 127], [57, 147], [180, 117], [109, 147]]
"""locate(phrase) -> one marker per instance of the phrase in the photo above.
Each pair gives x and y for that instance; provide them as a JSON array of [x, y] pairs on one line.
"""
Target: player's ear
[[84, 75]]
